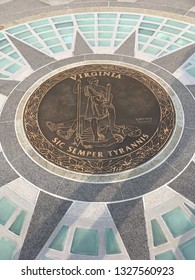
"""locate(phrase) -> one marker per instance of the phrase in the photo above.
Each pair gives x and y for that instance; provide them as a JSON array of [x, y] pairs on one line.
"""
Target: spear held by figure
[[77, 90]]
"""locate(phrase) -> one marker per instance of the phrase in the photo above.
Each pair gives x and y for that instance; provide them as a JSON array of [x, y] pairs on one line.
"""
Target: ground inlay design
[[99, 118]]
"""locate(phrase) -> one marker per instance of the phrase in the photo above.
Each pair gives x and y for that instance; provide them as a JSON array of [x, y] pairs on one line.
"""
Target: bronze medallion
[[99, 119]]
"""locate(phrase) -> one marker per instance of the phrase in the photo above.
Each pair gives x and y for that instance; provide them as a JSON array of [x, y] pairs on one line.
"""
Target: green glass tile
[[43, 29], [107, 15], [192, 58], [158, 43], [152, 50], [173, 48], [68, 38], [60, 239], [57, 49], [153, 19], [4, 62], [106, 21], [89, 35], [121, 35], [140, 47], [2, 76], [52, 42], [105, 35], [31, 40], [39, 23], [64, 24], [112, 246], [158, 235], [130, 16], [6, 49], [13, 68], [66, 31], [85, 242], [182, 42], [124, 29], [45, 258], [17, 225], [149, 25], [38, 46], [169, 255], [86, 22], [192, 210], [7, 248], [7, 208], [178, 222], [192, 28], [187, 65], [104, 43], [164, 36], [61, 19], [146, 32], [188, 249], [47, 35], [87, 28], [116, 43], [17, 29], [189, 36], [4, 42], [69, 46], [143, 39], [191, 72], [24, 34], [105, 28], [1, 35], [170, 30], [14, 55], [127, 22], [84, 16], [176, 23]]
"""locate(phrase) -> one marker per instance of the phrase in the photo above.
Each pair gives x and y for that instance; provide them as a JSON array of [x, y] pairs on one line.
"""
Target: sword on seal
[[77, 90]]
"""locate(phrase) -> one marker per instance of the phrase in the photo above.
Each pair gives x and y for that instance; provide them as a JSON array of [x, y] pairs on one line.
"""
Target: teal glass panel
[[43, 29], [4, 42], [192, 210], [164, 36], [52, 42], [107, 15], [130, 16], [191, 72], [106, 21], [127, 22], [140, 47], [57, 49], [45, 258], [2, 76], [17, 29], [170, 30], [187, 65], [24, 34], [124, 29], [84, 16], [60, 239], [38, 45], [89, 35], [14, 55], [66, 31], [178, 222], [105, 35], [104, 43], [105, 28], [64, 24], [86, 22], [13, 68], [85, 242], [176, 23], [158, 235], [116, 43], [68, 38], [112, 246], [143, 39], [7, 248], [47, 35], [17, 225], [152, 50], [193, 58], [192, 28], [61, 19], [189, 36], [87, 28], [4, 62], [173, 48], [146, 32], [69, 46], [7, 208], [1, 35], [188, 249], [169, 255], [158, 43], [182, 42], [154, 19], [149, 25], [121, 35], [39, 22], [31, 40], [6, 49]]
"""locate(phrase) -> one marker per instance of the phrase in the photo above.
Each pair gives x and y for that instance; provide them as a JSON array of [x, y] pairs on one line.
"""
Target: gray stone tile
[[48, 212], [104, 57], [81, 47], [36, 174], [188, 104], [35, 58], [6, 171], [128, 47], [192, 89], [9, 141], [185, 183], [130, 222], [66, 61], [191, 14], [87, 4], [7, 86], [187, 4]]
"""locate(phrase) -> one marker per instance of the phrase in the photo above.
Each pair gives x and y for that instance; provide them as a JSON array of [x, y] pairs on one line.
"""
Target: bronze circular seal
[[99, 118]]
